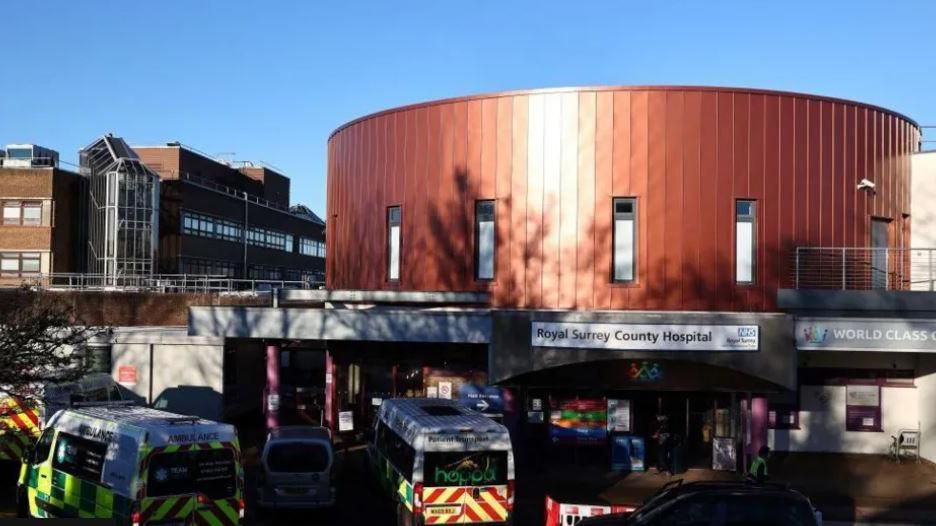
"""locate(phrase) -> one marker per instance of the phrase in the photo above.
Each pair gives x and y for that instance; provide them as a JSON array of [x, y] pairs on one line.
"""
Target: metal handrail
[[159, 283], [864, 268]]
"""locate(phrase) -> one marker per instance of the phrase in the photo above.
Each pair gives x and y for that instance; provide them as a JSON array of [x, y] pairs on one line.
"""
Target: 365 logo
[[815, 333]]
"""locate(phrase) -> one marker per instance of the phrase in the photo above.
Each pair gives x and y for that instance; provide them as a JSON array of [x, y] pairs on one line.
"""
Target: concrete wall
[[923, 212], [822, 421], [926, 385], [174, 371]]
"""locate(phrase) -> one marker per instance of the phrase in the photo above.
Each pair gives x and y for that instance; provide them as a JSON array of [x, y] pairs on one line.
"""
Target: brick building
[[40, 229], [205, 204]]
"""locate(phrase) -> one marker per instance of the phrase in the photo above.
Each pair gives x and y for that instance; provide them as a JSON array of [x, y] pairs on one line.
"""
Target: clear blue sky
[[270, 80]]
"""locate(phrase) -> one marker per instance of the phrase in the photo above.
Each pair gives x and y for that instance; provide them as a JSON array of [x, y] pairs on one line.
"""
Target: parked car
[[297, 468], [718, 504]]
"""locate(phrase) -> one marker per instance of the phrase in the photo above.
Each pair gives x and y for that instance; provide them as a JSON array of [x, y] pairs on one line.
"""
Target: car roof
[[677, 489], [727, 486], [300, 433]]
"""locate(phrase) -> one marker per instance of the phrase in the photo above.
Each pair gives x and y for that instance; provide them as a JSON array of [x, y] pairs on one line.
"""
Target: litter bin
[[678, 460]]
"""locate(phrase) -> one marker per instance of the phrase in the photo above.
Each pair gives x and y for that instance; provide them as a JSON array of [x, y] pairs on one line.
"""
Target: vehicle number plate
[[443, 510]]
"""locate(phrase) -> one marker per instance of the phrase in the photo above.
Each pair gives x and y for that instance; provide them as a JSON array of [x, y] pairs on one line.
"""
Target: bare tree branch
[[42, 339]]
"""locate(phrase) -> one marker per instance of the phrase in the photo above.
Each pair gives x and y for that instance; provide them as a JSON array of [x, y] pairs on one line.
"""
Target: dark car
[[718, 504]]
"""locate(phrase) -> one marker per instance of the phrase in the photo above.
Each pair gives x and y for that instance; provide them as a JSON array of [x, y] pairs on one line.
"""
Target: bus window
[[465, 468], [396, 450]]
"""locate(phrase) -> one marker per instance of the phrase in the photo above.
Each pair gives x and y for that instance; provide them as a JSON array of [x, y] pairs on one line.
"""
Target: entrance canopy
[[645, 375], [755, 346]]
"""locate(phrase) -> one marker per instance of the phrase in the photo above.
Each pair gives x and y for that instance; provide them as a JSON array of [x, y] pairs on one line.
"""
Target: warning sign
[[127, 375]]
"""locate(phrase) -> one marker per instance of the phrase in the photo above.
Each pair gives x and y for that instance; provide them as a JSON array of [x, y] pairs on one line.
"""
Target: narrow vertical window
[[484, 239], [625, 223], [393, 243], [745, 225]]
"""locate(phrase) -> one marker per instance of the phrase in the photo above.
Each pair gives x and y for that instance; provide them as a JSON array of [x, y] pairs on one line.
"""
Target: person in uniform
[[758, 471]]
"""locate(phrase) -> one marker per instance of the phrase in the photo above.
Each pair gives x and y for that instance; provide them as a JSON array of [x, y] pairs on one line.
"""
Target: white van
[[443, 463], [135, 466]]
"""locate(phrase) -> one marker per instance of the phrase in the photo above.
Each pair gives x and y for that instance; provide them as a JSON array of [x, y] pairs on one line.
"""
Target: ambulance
[[136, 466], [22, 421], [443, 463]]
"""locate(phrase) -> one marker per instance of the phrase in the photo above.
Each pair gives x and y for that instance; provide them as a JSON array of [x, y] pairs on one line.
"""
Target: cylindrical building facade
[[690, 166]]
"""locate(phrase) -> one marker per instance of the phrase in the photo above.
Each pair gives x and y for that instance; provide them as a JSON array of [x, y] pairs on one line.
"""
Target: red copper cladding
[[554, 159]]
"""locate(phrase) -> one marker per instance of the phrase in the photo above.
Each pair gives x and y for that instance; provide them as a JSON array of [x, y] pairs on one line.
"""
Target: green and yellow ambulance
[[22, 421], [134, 465], [443, 463]]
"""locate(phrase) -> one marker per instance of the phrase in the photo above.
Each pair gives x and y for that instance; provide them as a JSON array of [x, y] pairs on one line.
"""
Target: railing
[[864, 268], [158, 283], [233, 192]]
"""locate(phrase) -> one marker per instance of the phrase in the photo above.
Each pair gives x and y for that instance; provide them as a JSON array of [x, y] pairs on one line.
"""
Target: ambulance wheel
[[404, 517], [22, 504]]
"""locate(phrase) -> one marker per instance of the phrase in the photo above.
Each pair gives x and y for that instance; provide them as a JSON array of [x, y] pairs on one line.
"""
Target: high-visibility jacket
[[760, 463]]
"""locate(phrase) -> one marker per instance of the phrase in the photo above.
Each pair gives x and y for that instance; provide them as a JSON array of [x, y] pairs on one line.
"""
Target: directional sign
[[483, 398]]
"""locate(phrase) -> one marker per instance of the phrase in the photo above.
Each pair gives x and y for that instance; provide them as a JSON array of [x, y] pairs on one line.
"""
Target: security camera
[[866, 184]]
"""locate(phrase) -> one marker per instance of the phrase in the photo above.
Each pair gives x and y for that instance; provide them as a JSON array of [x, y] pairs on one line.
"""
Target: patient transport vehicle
[[443, 463], [134, 465]]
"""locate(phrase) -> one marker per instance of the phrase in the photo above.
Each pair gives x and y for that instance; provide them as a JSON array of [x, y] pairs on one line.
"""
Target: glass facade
[[124, 210]]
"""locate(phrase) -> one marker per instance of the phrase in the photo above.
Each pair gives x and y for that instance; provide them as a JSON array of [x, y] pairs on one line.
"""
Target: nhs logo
[[747, 332]]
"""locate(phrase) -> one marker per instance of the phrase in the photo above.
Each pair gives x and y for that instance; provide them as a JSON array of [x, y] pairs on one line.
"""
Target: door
[[192, 482], [38, 476], [466, 487], [879, 245]]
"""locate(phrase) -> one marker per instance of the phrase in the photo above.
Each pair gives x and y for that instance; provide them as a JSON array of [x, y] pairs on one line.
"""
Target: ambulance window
[[465, 468], [44, 446], [211, 472], [78, 456]]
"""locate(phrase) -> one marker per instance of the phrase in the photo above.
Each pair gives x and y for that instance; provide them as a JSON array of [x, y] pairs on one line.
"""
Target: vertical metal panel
[[656, 200], [691, 147], [460, 242], [755, 181], [503, 293], [723, 212], [552, 137], [673, 250], [826, 176], [622, 139], [849, 169], [435, 238], [604, 130], [708, 251], [640, 146], [518, 201], [534, 215], [586, 226], [473, 188], [772, 204], [568, 200]]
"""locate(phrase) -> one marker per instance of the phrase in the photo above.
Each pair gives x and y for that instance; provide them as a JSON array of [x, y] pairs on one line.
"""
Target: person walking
[[758, 471]]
